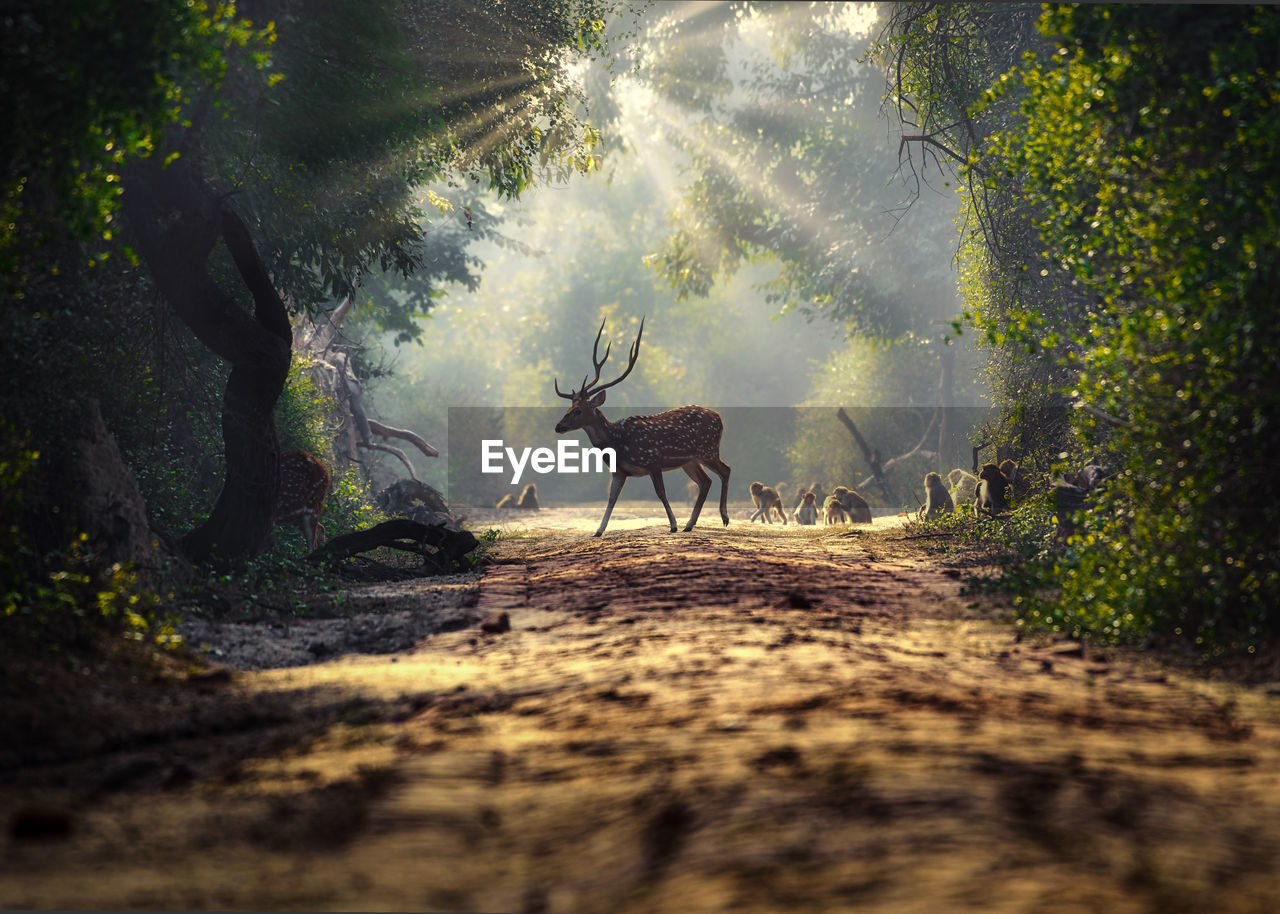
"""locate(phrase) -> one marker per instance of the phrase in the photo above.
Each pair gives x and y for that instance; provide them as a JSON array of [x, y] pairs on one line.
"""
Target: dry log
[[439, 546]]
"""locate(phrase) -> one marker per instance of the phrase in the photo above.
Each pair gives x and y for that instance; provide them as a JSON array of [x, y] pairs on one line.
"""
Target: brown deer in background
[[687, 437], [304, 483]]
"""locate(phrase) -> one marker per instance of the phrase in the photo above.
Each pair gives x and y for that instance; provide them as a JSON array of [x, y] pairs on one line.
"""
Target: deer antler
[[631, 360], [599, 363]]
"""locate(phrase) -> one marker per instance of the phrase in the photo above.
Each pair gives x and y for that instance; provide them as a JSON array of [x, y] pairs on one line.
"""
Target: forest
[[274, 272]]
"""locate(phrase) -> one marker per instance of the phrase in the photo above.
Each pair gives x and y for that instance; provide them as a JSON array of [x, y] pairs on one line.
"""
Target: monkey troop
[[990, 492], [843, 506], [527, 501]]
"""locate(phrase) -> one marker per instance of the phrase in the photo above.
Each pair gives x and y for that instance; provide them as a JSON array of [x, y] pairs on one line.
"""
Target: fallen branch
[[437, 544]]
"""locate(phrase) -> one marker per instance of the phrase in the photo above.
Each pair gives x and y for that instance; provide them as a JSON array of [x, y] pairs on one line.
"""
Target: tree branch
[[926, 138], [1103, 415]]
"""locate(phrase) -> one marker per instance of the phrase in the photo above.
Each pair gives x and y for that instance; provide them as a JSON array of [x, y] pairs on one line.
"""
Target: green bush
[[302, 410], [60, 600], [1149, 144]]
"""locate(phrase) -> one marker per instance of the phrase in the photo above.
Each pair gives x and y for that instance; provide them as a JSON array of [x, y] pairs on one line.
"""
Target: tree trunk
[[947, 400], [176, 219]]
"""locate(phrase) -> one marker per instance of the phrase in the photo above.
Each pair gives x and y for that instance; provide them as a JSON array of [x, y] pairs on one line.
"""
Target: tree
[[1131, 160], [85, 87], [791, 161], [306, 165], [949, 89], [1149, 146]]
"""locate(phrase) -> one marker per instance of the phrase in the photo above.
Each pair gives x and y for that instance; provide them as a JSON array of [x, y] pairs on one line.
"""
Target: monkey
[[833, 512], [964, 486], [937, 500], [807, 512], [691, 491], [529, 498], [1095, 473], [993, 491], [1067, 499], [1071, 493], [1017, 481], [819, 495], [767, 500], [507, 501], [854, 505]]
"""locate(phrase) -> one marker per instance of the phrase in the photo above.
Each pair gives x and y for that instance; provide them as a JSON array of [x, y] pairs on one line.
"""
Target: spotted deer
[[687, 437], [304, 483]]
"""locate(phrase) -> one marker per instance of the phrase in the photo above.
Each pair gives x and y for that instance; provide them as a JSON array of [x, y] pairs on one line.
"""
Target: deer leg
[[614, 488], [721, 469], [661, 488], [698, 475]]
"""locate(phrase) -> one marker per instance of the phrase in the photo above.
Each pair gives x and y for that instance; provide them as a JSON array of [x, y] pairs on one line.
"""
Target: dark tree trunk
[[176, 220]]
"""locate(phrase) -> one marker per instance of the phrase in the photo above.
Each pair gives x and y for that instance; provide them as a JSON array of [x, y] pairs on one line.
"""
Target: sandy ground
[[746, 718]]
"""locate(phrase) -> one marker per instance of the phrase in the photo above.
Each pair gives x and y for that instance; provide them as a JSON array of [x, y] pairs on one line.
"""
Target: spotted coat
[[304, 483], [665, 440]]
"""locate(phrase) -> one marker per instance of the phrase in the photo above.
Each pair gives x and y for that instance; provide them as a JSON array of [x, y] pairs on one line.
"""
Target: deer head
[[587, 400]]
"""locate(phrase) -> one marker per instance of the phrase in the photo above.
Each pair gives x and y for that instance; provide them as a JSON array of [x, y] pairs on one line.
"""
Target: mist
[[568, 255]]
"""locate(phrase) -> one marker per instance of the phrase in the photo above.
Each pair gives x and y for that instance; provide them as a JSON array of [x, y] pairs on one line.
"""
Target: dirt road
[[742, 718]]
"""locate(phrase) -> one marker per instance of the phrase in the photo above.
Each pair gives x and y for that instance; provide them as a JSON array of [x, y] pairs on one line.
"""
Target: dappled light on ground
[[746, 718], [633, 514]]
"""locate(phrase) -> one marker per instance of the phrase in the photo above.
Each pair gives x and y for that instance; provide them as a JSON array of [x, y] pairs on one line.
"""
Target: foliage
[[58, 600], [377, 101], [349, 506], [302, 410], [1016, 540], [321, 141], [788, 160], [892, 402], [85, 86], [158, 388], [951, 90], [1137, 156], [1148, 143]]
